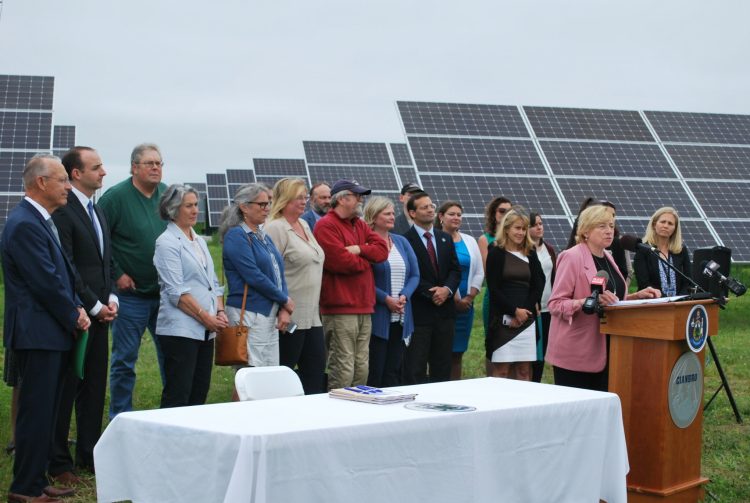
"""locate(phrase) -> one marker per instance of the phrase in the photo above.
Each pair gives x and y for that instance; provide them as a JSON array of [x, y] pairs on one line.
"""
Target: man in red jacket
[[347, 295]]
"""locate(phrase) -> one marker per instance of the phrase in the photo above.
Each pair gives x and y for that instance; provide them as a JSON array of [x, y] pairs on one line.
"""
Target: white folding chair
[[259, 383]]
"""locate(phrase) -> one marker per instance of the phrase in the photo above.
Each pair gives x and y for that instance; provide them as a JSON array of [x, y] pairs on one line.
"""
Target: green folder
[[79, 353]]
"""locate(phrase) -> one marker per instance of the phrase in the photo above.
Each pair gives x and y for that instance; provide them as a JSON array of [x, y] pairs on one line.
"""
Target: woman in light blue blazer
[[191, 305], [395, 282]]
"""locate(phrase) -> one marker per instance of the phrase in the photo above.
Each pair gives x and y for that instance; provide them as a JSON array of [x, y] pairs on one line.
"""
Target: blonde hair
[[675, 240], [590, 218], [374, 206], [510, 218], [284, 192]]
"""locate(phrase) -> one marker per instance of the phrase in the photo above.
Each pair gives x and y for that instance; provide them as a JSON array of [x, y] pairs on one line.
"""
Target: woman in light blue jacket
[[191, 306], [395, 282]]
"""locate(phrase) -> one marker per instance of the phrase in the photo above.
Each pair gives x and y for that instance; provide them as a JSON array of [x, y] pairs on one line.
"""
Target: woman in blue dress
[[449, 218]]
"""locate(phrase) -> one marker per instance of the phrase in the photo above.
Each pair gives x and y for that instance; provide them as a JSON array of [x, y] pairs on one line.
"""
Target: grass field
[[726, 448]]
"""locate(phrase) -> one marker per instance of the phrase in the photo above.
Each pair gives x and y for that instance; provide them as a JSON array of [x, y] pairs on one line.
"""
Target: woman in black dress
[[664, 233]]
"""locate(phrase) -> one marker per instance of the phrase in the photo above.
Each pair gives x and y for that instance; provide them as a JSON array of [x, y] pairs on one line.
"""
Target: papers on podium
[[369, 394], [660, 300]]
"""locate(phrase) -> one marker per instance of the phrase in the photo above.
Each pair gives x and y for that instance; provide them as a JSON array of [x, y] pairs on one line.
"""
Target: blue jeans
[[135, 315]]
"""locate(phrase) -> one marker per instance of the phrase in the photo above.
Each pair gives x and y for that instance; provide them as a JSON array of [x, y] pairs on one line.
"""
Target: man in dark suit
[[42, 314], [434, 311], [85, 239]]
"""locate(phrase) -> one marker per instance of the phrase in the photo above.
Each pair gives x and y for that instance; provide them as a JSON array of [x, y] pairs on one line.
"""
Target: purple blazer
[[575, 342]]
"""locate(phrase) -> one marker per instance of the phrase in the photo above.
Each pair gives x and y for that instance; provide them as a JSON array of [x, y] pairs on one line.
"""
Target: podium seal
[[685, 389], [696, 328]]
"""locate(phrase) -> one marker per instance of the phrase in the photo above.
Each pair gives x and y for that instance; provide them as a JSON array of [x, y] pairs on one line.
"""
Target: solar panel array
[[236, 178], [270, 171], [25, 129], [549, 159]]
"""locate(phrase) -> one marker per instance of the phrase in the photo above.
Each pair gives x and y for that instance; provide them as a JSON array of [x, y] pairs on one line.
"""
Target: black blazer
[[499, 303], [449, 274], [646, 267], [94, 277]]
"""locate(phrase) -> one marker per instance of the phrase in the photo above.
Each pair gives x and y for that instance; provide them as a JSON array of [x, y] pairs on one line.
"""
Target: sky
[[218, 83]]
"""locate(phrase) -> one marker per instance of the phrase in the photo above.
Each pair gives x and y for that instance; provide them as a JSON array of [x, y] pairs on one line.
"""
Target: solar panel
[[723, 199], [476, 155], [11, 170], [695, 234], [25, 130], [280, 167], [364, 153], [461, 119], [632, 197], [401, 154], [373, 177], [711, 162], [7, 203], [236, 178], [201, 189], [736, 236], [472, 225], [587, 124], [25, 92], [407, 175], [393, 196], [606, 159], [475, 191], [701, 127], [64, 137], [218, 197]]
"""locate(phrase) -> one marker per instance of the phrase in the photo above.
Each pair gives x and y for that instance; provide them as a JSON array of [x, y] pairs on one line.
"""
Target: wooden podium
[[646, 341]]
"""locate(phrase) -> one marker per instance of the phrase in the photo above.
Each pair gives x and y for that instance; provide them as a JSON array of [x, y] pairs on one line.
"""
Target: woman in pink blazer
[[577, 350]]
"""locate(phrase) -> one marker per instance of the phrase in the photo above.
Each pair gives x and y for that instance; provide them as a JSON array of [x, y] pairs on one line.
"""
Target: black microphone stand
[[722, 304]]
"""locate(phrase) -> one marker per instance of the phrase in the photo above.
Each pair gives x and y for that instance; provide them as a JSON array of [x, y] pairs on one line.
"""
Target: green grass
[[726, 446]]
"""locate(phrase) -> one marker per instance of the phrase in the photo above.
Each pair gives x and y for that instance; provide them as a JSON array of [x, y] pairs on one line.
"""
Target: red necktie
[[431, 251]]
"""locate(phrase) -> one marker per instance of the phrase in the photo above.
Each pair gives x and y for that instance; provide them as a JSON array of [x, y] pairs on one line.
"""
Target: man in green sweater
[[131, 208]]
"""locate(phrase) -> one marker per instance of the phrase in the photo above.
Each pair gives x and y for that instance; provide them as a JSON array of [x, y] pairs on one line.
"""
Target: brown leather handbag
[[231, 342]]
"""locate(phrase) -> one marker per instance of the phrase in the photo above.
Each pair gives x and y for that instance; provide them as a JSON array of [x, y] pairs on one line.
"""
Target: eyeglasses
[[262, 206], [302, 198], [501, 210], [63, 179], [152, 164]]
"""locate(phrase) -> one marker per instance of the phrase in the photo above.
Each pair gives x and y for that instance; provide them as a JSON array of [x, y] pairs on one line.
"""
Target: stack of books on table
[[371, 395]]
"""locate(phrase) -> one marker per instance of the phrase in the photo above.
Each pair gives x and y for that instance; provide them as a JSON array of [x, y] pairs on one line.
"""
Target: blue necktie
[[53, 228], [90, 206]]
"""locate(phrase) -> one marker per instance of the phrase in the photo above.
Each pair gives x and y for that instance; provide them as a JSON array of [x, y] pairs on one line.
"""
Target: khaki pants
[[348, 342]]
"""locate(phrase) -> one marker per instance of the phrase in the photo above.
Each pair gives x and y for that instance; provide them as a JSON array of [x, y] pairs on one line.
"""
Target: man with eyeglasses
[[320, 203], [131, 209], [434, 311], [347, 294], [42, 317]]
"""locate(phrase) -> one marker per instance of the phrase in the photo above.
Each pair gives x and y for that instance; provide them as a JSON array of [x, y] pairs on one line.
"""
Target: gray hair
[[338, 196], [375, 206], [171, 200], [36, 166], [135, 156], [232, 214]]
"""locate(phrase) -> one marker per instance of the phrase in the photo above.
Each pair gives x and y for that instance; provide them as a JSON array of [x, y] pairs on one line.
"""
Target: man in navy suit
[[84, 234], [42, 314], [434, 311]]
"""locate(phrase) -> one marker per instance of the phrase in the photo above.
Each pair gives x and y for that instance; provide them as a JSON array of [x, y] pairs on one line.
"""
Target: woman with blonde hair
[[577, 349], [303, 347], [515, 282], [664, 233], [395, 281]]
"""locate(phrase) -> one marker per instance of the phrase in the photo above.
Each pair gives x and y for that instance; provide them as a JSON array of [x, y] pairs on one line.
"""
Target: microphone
[[711, 270], [630, 242], [598, 285]]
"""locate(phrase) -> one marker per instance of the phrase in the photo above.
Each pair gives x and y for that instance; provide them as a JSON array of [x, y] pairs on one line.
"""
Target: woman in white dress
[[515, 282]]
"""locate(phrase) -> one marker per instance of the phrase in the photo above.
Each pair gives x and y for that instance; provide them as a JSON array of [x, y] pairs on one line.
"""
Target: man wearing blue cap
[[347, 295]]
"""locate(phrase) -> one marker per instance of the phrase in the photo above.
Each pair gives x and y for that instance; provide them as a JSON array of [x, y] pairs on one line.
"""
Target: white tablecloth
[[525, 442]]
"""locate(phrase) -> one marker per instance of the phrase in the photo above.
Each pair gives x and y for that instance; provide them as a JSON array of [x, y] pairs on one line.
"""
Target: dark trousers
[[430, 344], [386, 357], [87, 395], [187, 370], [596, 381], [306, 350], [537, 367], [41, 376]]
